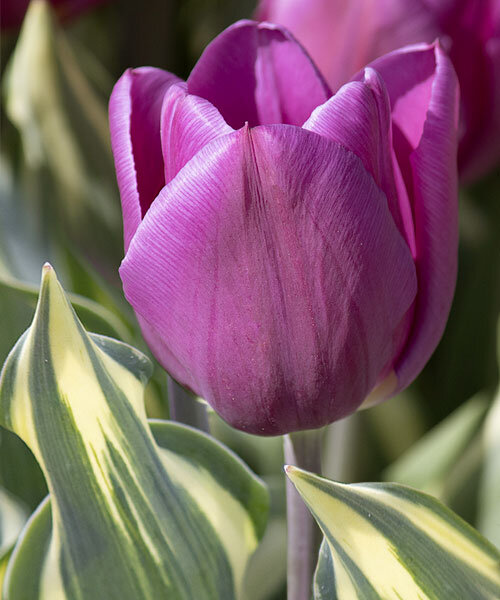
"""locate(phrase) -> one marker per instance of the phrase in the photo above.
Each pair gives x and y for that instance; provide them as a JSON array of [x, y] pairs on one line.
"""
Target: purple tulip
[[344, 35], [288, 253]]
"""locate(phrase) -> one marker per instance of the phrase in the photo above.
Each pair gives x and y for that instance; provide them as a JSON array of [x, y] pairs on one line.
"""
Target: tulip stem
[[185, 408], [301, 449]]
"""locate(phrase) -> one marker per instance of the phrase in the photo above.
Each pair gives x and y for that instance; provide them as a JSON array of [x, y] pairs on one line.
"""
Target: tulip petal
[[257, 73], [344, 35], [134, 120], [336, 34], [423, 90], [187, 124], [271, 268], [358, 116]]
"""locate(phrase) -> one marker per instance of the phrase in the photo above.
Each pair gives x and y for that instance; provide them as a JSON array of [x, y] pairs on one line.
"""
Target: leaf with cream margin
[[385, 541], [132, 512]]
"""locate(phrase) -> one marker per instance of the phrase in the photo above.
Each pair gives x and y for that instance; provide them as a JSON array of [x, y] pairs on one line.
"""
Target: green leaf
[[19, 472], [63, 126], [385, 541], [428, 464], [4, 560], [489, 495], [22, 243], [266, 574], [489, 492], [132, 512], [12, 519]]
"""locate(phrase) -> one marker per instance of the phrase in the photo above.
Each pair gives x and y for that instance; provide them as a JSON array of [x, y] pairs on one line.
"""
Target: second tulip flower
[[289, 253]]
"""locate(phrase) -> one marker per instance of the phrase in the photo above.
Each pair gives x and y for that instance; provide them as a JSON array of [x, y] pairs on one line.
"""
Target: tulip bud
[[302, 250]]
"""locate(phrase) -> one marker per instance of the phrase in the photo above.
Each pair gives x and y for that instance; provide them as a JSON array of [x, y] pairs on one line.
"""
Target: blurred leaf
[[489, 493], [202, 20], [460, 489], [13, 516], [397, 423], [387, 541], [12, 520], [489, 497], [266, 573], [464, 362], [19, 471], [132, 514], [4, 560], [63, 126], [23, 245], [428, 463], [263, 454], [24, 242], [341, 448]]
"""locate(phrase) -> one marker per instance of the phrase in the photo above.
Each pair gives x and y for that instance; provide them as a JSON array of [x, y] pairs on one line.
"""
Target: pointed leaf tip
[[47, 272], [50, 282], [57, 363], [298, 476]]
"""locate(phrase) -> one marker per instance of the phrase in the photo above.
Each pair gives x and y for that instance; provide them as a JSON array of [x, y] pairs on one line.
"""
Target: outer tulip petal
[[359, 117], [187, 124], [423, 90], [259, 267], [258, 74], [134, 120]]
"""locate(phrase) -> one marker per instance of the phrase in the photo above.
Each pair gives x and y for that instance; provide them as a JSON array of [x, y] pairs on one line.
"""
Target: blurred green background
[[59, 202]]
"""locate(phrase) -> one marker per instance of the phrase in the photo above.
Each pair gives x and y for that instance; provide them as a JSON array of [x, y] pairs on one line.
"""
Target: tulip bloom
[[344, 35], [288, 252]]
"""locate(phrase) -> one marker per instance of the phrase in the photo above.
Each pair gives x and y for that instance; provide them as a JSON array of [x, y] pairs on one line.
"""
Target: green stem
[[301, 449], [185, 408]]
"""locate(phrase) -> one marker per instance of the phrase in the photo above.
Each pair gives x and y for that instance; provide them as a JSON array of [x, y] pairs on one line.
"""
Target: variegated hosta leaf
[[130, 516], [386, 541]]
